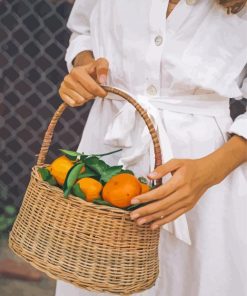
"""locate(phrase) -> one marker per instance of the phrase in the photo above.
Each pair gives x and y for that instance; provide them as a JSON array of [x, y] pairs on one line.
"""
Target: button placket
[[155, 49]]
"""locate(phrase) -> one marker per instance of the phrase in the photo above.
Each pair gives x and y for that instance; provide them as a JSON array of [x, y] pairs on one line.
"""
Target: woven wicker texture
[[233, 6], [94, 247]]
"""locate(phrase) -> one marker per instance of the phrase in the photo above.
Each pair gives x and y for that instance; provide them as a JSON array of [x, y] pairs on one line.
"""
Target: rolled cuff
[[239, 126], [77, 44]]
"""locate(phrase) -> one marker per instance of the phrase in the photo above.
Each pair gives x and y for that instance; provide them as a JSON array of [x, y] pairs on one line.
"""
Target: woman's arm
[[191, 178], [85, 73], [229, 157]]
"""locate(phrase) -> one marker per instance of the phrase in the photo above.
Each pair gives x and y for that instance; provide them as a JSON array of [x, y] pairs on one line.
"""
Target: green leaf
[[83, 157], [78, 192], [143, 180], [127, 172], [88, 173], [71, 178], [45, 174], [72, 155], [100, 201], [136, 206], [10, 210], [96, 164], [153, 186], [52, 181], [47, 177], [108, 173]]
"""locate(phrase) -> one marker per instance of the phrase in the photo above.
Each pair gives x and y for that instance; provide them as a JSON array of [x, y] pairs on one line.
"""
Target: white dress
[[187, 67]]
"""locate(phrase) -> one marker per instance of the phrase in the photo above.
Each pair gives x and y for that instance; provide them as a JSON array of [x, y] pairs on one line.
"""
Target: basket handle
[[50, 130]]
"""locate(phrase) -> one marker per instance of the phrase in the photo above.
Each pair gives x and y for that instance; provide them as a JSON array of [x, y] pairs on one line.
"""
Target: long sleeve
[[239, 126], [79, 25]]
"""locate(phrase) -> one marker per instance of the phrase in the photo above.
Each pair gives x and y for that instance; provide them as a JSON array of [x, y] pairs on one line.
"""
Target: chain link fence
[[33, 40]]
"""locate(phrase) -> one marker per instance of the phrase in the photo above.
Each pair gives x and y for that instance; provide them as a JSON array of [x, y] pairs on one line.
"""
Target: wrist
[[227, 158], [238, 147], [210, 168], [83, 58], [218, 171]]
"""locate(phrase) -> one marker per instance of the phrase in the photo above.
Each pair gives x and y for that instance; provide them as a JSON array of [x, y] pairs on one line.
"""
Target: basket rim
[[71, 197]]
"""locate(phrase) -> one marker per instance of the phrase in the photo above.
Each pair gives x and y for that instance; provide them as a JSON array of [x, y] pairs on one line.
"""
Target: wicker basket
[[94, 247]]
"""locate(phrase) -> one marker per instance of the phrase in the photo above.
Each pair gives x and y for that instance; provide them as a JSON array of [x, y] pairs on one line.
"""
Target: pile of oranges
[[93, 180]]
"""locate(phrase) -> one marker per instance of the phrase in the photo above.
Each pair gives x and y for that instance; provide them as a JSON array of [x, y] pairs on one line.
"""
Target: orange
[[59, 168], [91, 188], [120, 189], [145, 188]]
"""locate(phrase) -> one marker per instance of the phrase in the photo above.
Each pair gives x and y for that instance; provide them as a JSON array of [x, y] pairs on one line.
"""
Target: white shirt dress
[[183, 69]]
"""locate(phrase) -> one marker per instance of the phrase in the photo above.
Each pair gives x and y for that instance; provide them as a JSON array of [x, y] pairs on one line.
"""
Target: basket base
[[39, 266]]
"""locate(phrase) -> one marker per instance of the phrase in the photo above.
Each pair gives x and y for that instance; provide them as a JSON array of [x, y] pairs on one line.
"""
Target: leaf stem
[[104, 154]]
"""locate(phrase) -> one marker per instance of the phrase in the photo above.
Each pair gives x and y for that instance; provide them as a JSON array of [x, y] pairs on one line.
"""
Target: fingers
[[163, 213], [80, 84], [164, 190], [69, 101], [156, 194], [71, 97], [164, 169], [158, 205], [82, 76], [102, 67], [150, 218], [79, 100], [71, 84], [168, 219]]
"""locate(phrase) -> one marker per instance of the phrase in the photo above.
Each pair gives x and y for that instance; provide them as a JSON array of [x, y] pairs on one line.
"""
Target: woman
[[183, 65]]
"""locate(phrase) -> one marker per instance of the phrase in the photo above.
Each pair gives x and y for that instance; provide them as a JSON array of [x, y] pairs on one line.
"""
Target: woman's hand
[[191, 178], [82, 83]]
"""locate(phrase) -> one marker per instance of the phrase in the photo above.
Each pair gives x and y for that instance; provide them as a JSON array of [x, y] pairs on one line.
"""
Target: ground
[[13, 287]]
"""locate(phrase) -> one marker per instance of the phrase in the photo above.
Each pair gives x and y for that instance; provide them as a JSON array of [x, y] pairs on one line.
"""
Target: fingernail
[[153, 175], [134, 216], [134, 201], [102, 79]]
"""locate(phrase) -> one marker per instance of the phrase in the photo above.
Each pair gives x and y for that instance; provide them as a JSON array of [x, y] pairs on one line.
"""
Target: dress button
[[191, 2], [151, 90], [158, 40]]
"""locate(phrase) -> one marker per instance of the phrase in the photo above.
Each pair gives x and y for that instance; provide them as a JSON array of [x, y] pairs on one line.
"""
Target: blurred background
[[33, 41]]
